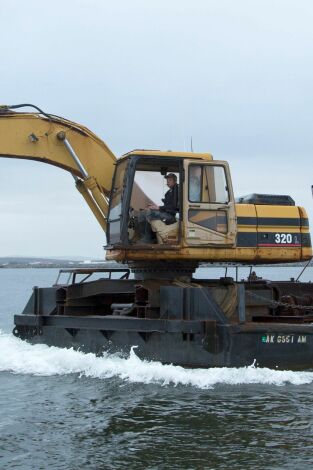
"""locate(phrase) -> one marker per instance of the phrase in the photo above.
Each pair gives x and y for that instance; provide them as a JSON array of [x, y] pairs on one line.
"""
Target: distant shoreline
[[11, 262]]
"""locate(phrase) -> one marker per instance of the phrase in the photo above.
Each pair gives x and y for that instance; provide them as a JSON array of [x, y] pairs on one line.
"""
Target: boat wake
[[19, 357]]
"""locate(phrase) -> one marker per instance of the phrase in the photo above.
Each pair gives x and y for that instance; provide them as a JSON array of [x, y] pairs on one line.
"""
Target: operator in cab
[[166, 213]]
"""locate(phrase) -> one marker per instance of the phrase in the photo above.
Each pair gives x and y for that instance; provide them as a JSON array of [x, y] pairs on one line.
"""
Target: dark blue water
[[61, 409]]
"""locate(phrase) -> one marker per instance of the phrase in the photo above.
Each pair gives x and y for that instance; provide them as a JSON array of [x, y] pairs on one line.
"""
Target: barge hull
[[189, 344], [195, 323]]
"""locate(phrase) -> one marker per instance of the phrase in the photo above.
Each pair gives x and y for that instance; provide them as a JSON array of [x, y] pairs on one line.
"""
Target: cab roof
[[169, 153]]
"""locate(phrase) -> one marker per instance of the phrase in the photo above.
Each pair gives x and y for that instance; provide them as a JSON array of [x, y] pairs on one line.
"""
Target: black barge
[[187, 322]]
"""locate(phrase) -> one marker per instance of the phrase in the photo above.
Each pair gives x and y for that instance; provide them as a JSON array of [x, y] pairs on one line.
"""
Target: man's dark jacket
[[171, 202]]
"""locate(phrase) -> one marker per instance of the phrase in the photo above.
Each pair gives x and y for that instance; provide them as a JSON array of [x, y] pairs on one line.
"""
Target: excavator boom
[[54, 140]]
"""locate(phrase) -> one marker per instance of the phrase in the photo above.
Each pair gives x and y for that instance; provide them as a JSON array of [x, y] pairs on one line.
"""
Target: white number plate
[[283, 238]]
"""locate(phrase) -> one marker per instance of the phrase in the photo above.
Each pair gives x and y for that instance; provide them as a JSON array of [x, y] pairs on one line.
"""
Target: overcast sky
[[237, 76]]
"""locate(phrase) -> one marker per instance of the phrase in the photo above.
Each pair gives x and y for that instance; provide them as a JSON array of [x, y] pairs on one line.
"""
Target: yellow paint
[[98, 161], [95, 156], [171, 154], [241, 255]]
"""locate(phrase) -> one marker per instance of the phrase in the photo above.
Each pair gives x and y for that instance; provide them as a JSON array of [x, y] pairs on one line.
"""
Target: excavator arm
[[57, 141]]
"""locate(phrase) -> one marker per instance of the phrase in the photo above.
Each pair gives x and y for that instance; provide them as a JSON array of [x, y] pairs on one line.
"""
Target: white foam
[[19, 357]]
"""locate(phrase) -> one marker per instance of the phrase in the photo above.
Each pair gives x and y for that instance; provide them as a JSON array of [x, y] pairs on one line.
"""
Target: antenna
[[191, 149]]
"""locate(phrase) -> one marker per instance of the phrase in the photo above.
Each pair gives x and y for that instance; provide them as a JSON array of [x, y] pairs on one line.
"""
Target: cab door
[[209, 207]]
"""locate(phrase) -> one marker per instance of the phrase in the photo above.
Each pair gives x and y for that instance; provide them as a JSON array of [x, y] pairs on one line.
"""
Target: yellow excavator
[[210, 225], [170, 315]]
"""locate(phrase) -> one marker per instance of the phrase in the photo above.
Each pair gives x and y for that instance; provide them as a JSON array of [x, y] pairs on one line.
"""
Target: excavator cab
[[206, 211]]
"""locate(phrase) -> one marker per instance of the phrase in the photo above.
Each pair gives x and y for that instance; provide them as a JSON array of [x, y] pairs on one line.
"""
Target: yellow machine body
[[207, 229]]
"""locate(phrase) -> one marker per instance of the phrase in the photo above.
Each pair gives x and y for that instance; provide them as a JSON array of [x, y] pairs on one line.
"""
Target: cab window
[[117, 191], [207, 184]]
